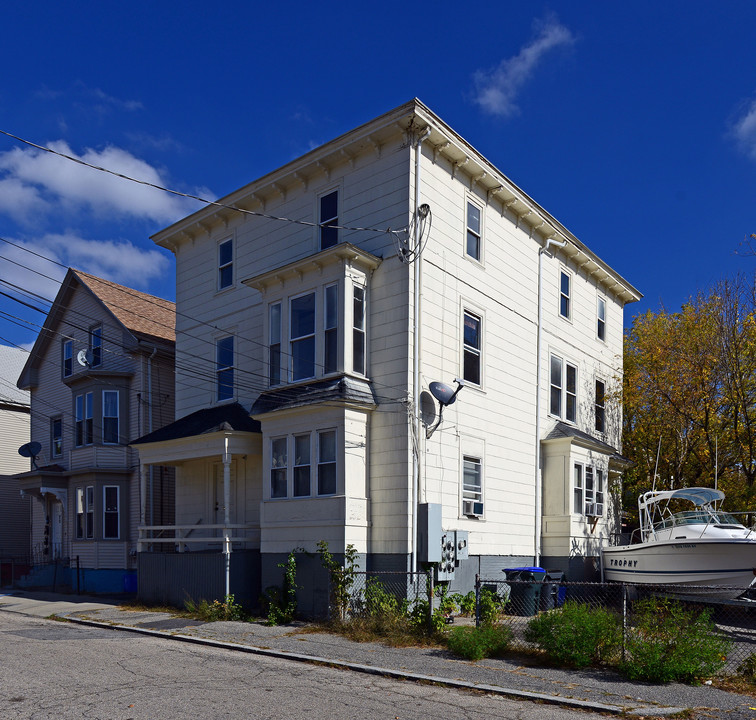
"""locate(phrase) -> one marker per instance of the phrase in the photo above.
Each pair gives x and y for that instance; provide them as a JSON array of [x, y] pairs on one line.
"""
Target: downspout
[[539, 330], [416, 352], [227, 512]]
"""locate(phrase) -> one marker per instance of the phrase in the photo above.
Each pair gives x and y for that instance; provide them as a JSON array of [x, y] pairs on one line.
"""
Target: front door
[[56, 530]]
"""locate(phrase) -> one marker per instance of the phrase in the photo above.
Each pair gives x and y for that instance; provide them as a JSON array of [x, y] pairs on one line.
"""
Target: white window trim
[[472, 499], [66, 348], [596, 406], [225, 368], [468, 310], [599, 300], [335, 462], [297, 463], [339, 210], [316, 366], [106, 512], [117, 417], [471, 200], [93, 333], [361, 331], [284, 466], [221, 266], [564, 364], [563, 271]]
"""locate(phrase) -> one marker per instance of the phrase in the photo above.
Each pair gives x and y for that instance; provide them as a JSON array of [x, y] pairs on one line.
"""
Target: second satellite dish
[[85, 358]]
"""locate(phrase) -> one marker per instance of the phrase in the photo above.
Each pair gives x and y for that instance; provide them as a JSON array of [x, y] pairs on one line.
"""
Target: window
[[565, 282], [95, 346], [224, 368], [599, 406], [563, 401], [274, 347], [85, 513], [110, 514], [331, 325], [471, 348], [301, 465], [327, 462], [110, 415], [472, 247], [67, 358], [56, 436], [472, 485], [358, 331], [594, 492], [601, 319], [84, 410], [225, 264], [577, 491], [278, 465], [329, 217], [302, 336]]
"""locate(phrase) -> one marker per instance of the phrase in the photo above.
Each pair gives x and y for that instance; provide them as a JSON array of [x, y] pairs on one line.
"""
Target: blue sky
[[632, 123]]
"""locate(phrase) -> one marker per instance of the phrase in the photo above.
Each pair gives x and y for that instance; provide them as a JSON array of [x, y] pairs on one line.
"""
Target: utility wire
[[205, 201]]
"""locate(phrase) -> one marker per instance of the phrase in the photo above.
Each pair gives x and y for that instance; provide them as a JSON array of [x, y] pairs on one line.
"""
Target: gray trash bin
[[550, 595], [525, 595]]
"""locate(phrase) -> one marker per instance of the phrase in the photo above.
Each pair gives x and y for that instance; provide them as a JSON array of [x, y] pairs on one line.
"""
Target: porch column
[[227, 512], [142, 504]]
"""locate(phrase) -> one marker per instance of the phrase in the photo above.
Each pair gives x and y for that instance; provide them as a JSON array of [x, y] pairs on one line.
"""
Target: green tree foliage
[[689, 393]]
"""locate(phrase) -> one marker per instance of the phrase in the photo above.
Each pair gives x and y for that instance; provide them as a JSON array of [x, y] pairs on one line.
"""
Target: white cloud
[[496, 89], [40, 266], [76, 186], [744, 130], [19, 200]]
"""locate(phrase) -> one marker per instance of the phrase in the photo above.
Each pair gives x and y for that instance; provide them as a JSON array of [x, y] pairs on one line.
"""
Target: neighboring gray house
[[14, 432], [100, 374], [306, 351]]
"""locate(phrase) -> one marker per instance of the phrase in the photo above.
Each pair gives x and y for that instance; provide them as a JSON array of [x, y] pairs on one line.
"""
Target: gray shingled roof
[[214, 419], [341, 389]]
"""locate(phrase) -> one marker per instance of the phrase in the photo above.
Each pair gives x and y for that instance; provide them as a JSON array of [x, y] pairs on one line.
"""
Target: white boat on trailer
[[706, 550]]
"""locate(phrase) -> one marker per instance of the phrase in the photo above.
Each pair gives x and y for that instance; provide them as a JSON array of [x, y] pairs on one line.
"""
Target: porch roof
[[231, 417]]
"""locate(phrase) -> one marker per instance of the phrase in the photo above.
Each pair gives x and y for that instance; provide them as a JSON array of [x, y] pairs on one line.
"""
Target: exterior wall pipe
[[416, 352], [538, 474], [227, 512]]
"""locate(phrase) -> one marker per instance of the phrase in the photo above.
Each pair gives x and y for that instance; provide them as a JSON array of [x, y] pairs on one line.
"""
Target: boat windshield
[[696, 517]]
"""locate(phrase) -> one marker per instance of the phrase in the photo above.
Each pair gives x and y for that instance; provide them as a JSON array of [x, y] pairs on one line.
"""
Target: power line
[[205, 201]]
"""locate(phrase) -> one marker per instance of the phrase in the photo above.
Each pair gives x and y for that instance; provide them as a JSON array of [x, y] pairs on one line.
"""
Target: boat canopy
[[696, 495]]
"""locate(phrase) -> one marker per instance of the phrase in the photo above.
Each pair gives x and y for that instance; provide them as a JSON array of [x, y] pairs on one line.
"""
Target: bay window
[[84, 430], [110, 416], [327, 462], [274, 345], [358, 331], [278, 468], [302, 336], [301, 465], [111, 512], [331, 330]]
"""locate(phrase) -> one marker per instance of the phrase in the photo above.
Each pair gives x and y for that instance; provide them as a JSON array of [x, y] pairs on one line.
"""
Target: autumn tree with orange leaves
[[689, 394]]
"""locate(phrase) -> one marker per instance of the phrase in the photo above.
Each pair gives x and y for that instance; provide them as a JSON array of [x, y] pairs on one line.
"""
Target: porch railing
[[187, 537]]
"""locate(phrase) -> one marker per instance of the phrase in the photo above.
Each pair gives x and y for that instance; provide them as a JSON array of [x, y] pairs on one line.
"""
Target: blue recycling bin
[[526, 584]]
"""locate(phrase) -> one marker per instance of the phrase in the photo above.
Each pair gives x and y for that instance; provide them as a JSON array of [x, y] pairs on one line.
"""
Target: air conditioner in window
[[472, 508]]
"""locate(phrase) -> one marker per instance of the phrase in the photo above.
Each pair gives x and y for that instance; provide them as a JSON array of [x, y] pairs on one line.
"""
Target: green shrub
[[476, 643], [491, 606], [465, 603], [668, 642], [226, 609], [747, 669], [282, 602], [577, 635]]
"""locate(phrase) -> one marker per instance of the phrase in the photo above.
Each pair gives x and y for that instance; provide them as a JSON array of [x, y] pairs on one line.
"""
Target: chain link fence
[[517, 601]]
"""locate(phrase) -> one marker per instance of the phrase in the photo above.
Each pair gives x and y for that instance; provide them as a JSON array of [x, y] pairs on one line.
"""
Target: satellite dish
[[30, 450], [85, 358], [446, 395], [427, 408]]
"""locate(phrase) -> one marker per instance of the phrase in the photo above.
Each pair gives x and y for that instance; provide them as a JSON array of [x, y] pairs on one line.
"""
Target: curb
[[388, 672]]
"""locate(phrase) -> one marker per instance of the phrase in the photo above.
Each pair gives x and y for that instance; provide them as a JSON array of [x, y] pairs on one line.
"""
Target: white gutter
[[538, 475], [416, 352]]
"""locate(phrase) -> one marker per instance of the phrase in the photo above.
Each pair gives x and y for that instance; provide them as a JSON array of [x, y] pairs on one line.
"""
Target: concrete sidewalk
[[597, 690]]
